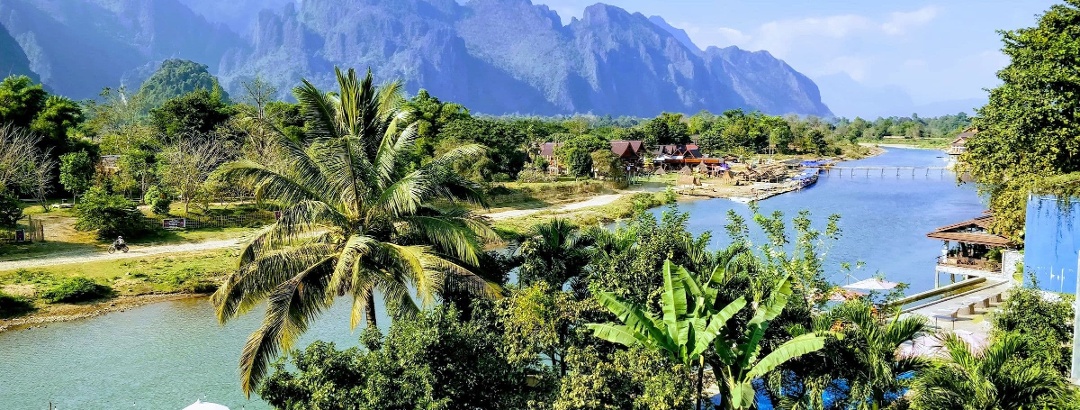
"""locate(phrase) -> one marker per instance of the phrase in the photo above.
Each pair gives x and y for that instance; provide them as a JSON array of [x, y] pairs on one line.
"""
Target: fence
[[34, 232], [251, 220]]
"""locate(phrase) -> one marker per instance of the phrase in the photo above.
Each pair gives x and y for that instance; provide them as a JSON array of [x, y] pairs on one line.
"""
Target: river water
[[167, 355]]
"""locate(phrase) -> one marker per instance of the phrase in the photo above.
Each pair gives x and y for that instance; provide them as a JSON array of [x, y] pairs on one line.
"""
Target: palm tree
[[353, 223], [992, 379], [555, 252], [878, 374]]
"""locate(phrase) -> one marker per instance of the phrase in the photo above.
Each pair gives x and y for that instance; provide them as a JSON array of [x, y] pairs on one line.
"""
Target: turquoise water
[[167, 355]]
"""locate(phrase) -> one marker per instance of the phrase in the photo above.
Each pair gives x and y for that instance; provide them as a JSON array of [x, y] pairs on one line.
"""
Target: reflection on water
[[167, 355]]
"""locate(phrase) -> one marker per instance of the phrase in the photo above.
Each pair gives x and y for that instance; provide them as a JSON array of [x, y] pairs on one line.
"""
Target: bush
[[11, 306], [110, 215], [159, 200], [76, 289], [11, 209]]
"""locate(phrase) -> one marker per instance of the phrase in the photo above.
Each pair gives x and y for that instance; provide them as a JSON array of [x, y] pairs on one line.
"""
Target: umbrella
[[872, 284], [201, 405]]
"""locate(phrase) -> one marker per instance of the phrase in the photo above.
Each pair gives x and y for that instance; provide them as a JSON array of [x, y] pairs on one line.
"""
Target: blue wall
[[1051, 241]]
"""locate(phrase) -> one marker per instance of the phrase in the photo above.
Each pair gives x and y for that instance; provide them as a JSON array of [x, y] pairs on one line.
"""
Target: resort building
[[629, 151], [679, 156], [959, 145], [969, 250]]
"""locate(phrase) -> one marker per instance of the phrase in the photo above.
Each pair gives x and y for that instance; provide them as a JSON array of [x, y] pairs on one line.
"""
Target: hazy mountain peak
[[678, 33]]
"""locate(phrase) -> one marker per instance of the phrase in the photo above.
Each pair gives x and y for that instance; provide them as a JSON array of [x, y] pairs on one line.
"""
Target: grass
[[164, 274], [936, 143], [531, 195], [625, 207]]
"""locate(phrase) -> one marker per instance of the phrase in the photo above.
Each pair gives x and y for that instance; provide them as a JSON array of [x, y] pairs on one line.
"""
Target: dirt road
[[595, 201], [136, 252]]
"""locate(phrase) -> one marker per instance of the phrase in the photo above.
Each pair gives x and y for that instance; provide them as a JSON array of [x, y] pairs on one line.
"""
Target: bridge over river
[[886, 171]]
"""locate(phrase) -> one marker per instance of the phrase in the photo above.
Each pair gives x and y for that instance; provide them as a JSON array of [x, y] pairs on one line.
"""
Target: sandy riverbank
[[69, 312]]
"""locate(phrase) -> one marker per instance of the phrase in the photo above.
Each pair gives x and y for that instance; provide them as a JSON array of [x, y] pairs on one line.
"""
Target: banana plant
[[737, 364], [687, 330]]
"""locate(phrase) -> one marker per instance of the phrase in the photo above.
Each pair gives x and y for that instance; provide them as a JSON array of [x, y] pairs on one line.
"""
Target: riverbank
[[70, 312]]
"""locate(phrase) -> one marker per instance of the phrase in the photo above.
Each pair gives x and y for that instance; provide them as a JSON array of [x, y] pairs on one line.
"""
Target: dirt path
[[595, 201], [136, 252]]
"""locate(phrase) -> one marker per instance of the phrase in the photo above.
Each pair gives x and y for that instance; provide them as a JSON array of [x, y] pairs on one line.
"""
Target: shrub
[[110, 215], [77, 289], [11, 306], [10, 209], [159, 200]]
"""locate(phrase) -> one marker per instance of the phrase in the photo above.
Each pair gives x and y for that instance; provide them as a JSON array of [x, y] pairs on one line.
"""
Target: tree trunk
[[700, 380], [369, 310]]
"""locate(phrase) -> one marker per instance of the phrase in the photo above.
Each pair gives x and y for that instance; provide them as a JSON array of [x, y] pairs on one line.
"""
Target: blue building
[[1051, 245], [1051, 242]]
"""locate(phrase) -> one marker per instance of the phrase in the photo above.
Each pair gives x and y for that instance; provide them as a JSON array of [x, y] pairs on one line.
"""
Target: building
[[1052, 253], [629, 151], [959, 145], [969, 250], [678, 156]]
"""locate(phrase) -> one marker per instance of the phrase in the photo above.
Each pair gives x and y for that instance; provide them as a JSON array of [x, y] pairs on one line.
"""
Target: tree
[[259, 93], [668, 128], [540, 319], [353, 221], [186, 166], [555, 253], [199, 112], [110, 215], [58, 116], [20, 100], [1029, 128], [1047, 325], [433, 361], [77, 172], [176, 78], [876, 375], [988, 380], [637, 378]]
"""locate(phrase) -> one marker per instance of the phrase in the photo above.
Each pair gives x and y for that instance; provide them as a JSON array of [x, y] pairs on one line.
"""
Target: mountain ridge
[[494, 56]]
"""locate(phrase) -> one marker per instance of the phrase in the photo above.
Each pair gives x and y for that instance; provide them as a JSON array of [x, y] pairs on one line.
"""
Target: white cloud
[[728, 36], [900, 22]]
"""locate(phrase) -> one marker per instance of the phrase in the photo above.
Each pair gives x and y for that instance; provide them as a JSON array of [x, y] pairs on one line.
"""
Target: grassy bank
[[163, 274], [922, 143], [624, 207]]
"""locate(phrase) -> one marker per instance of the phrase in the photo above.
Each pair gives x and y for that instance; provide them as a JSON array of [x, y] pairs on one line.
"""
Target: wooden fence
[[33, 232]]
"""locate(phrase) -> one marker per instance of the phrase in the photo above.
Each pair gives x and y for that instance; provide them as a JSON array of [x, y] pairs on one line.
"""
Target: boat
[[805, 179]]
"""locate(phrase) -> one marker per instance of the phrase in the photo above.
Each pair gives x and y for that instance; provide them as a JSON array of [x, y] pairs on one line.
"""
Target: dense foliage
[[74, 290], [176, 78], [1029, 129], [436, 360], [110, 216]]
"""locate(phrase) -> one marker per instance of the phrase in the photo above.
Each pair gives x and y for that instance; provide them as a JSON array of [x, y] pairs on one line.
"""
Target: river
[[167, 355]]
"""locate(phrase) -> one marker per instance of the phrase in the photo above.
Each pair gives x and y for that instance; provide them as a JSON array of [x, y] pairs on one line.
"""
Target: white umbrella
[[872, 284], [201, 405]]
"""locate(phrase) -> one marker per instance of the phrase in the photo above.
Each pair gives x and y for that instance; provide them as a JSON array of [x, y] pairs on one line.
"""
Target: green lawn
[[186, 273]]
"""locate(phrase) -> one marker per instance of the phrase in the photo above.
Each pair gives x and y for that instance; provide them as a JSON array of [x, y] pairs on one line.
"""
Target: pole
[[1076, 330]]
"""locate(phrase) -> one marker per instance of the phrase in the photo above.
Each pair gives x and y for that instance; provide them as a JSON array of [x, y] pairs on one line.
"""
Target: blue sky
[[933, 50]]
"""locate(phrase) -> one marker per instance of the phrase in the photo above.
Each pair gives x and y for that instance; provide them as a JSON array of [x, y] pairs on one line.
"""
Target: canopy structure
[[973, 231], [872, 284], [202, 405]]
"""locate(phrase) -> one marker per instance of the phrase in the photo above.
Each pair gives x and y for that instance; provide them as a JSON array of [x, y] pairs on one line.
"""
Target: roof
[[687, 150], [974, 231], [961, 138], [547, 149], [626, 149]]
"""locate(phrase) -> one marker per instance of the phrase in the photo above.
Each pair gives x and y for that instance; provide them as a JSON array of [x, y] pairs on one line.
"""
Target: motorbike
[[122, 247]]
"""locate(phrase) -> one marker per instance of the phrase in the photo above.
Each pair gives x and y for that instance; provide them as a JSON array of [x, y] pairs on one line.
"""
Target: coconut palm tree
[[353, 222], [991, 379]]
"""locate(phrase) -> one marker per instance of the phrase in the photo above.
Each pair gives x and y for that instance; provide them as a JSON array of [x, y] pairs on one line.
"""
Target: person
[[119, 242]]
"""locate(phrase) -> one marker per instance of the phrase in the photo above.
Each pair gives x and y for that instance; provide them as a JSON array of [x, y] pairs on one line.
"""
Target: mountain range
[[493, 56]]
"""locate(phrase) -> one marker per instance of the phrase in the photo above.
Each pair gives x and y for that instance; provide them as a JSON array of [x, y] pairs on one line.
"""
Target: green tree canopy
[[176, 78], [1030, 128]]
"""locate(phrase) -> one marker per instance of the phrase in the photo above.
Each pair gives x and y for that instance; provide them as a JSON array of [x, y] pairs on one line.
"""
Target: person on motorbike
[[119, 242]]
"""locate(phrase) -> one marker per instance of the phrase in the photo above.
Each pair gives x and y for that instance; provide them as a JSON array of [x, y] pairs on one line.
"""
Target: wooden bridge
[[885, 171]]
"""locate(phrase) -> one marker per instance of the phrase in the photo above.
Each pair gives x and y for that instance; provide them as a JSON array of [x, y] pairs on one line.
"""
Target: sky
[[934, 51]]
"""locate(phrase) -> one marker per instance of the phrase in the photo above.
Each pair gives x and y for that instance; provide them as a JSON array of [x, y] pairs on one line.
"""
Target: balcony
[[964, 262]]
